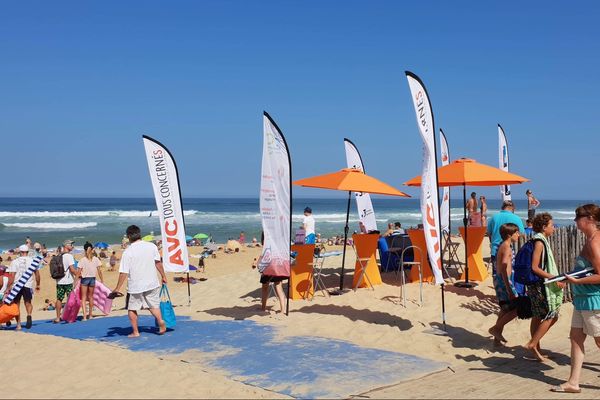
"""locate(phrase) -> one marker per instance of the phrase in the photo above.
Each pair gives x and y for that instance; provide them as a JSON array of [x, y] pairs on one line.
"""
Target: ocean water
[[52, 220]]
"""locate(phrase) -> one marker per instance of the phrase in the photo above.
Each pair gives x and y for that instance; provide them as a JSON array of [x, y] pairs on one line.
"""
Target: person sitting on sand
[[232, 246], [503, 282], [545, 299], [49, 306], [139, 264]]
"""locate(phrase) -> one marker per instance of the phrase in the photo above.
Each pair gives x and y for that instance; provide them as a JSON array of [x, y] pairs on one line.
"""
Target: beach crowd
[[527, 283]]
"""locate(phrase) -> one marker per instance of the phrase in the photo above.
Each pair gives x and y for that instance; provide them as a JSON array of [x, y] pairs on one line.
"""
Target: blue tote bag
[[166, 308]]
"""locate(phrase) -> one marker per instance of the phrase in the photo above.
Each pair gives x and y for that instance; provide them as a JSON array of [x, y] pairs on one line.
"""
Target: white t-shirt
[[309, 224], [4, 285], [138, 261], [19, 266], [68, 260]]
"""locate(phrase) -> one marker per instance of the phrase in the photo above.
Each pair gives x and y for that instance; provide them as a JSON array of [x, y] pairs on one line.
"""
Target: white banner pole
[[364, 205], [503, 161]]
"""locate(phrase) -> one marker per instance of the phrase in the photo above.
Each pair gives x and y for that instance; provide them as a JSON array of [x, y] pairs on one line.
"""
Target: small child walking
[[503, 282]]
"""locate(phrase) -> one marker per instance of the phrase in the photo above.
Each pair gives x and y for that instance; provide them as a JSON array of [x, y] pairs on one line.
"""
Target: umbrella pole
[[466, 283], [345, 240], [287, 305], [189, 292], [443, 308], [466, 233]]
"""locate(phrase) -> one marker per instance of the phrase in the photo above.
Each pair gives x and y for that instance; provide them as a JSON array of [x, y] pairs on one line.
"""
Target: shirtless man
[[532, 204], [472, 206]]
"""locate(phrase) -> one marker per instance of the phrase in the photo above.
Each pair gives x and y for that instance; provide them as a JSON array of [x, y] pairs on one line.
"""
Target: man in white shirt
[[139, 264], [16, 269], [64, 286], [308, 223]]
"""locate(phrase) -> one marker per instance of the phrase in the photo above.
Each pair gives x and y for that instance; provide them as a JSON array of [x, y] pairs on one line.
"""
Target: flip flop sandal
[[112, 295], [560, 389]]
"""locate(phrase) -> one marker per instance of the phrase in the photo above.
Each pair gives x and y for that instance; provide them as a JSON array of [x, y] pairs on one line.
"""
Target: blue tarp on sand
[[299, 366]]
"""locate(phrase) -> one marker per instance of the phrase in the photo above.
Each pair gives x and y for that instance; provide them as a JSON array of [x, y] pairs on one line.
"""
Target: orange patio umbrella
[[467, 172], [350, 180]]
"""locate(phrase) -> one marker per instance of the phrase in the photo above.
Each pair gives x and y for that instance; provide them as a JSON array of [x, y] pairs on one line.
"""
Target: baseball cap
[[68, 242], [23, 248]]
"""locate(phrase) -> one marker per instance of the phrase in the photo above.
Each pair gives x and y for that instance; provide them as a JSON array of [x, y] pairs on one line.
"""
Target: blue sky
[[82, 81]]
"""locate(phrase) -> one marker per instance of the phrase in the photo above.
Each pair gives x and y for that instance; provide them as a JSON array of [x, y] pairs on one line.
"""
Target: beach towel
[[101, 300], [73, 305], [17, 286], [554, 294], [166, 308]]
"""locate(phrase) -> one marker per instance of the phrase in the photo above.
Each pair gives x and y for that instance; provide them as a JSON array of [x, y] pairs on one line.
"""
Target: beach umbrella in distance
[[148, 238], [349, 180], [200, 236], [468, 172], [101, 245], [188, 238]]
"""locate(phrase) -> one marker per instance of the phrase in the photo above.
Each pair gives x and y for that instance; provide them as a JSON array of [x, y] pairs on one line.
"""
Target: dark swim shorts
[[268, 278]]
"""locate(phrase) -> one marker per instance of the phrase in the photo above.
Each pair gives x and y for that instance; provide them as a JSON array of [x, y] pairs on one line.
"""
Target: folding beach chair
[[363, 268], [452, 249]]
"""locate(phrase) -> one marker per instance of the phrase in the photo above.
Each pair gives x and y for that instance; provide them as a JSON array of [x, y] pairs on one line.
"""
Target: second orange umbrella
[[349, 180], [467, 172]]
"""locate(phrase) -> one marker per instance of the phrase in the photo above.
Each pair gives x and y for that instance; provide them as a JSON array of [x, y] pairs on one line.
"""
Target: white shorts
[[589, 321], [147, 299]]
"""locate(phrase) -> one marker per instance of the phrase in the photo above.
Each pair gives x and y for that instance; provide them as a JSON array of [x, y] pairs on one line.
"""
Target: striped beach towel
[[35, 264]]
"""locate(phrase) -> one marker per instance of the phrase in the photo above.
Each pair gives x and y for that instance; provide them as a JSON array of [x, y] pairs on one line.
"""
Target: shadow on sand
[[521, 364]]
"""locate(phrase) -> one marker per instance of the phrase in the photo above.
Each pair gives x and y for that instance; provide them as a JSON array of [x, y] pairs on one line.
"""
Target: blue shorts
[[88, 281]]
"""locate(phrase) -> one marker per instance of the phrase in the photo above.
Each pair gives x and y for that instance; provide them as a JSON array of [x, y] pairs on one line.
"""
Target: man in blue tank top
[[505, 216]]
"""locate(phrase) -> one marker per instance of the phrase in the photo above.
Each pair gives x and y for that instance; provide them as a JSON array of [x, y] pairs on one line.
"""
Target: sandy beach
[[370, 319]]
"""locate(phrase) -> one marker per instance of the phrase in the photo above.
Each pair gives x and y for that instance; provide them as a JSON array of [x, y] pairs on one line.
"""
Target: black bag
[[57, 269], [524, 307]]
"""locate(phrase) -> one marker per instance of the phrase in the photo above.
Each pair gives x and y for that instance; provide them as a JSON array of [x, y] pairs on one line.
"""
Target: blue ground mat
[[298, 366]]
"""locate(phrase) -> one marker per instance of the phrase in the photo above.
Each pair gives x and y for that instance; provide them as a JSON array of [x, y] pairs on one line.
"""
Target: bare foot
[[18, 328], [56, 320], [162, 328], [533, 349], [133, 335], [497, 335]]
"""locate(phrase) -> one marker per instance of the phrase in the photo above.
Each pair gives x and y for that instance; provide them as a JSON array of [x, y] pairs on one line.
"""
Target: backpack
[[523, 273], [57, 268]]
